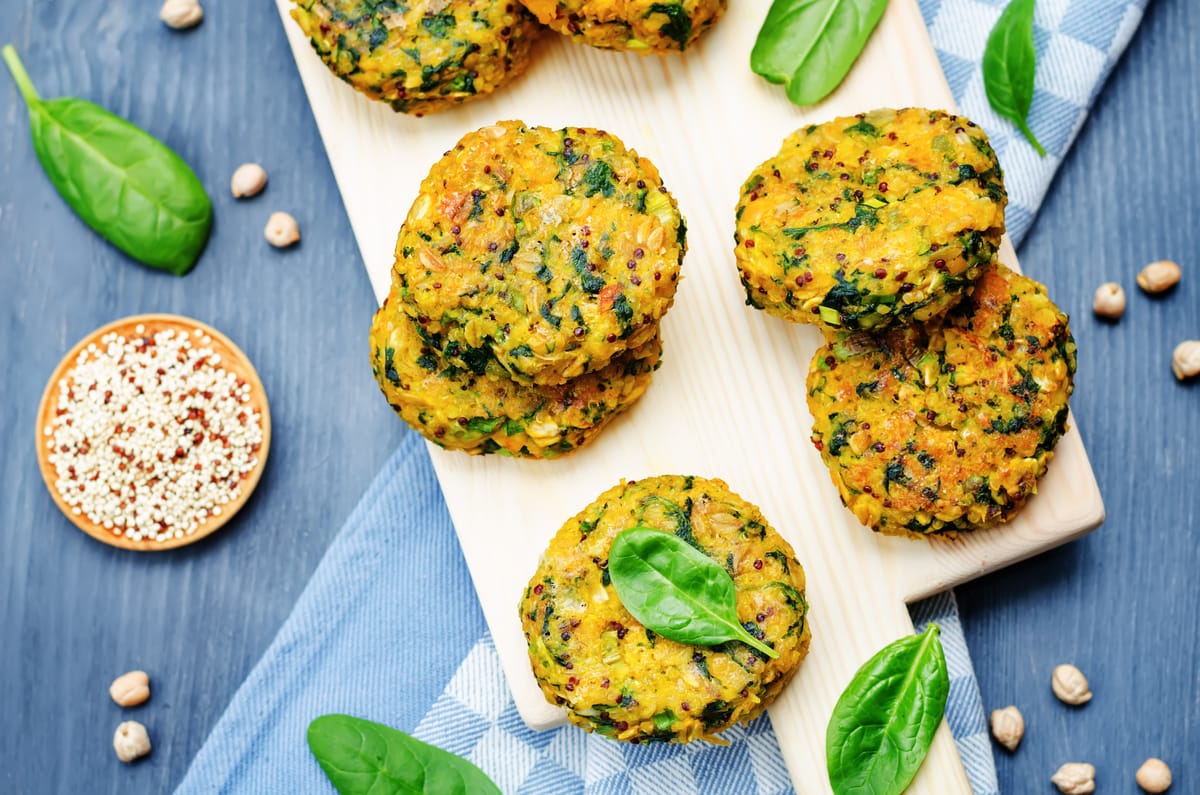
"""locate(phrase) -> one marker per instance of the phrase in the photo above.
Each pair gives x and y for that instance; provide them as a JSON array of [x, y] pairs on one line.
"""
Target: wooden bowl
[[232, 360]]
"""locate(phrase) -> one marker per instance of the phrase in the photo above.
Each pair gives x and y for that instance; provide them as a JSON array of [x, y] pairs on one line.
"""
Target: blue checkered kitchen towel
[[352, 645], [1077, 42]]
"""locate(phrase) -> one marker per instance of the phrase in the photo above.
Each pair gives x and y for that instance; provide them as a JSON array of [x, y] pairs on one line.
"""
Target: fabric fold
[[396, 564]]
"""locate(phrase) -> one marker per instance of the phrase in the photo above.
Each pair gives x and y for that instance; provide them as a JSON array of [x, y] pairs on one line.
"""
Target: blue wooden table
[[1123, 604]]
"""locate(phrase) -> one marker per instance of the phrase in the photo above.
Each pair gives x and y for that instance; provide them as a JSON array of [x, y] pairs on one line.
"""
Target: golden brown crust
[[946, 426], [642, 26], [422, 57], [485, 412], [619, 679], [553, 250], [870, 221]]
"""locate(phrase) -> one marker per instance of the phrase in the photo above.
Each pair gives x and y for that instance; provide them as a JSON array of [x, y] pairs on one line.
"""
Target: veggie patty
[[553, 250], [870, 221], [642, 26], [616, 677], [482, 411], [947, 426], [424, 56]]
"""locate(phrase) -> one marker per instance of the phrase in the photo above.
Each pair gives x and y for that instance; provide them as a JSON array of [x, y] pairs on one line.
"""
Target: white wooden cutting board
[[728, 401]]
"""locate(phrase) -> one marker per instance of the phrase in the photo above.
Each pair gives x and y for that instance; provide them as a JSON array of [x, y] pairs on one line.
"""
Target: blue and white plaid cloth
[[349, 645], [1077, 41]]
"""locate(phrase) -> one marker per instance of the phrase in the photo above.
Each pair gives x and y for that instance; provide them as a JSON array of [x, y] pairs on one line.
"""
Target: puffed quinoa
[[151, 435]]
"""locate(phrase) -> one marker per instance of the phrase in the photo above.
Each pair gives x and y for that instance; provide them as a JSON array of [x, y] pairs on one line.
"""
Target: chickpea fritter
[[481, 410], [642, 26], [619, 679], [946, 427], [553, 250], [424, 56], [871, 221]]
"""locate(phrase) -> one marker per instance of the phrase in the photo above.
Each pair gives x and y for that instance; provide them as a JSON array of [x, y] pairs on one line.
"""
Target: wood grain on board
[[728, 401]]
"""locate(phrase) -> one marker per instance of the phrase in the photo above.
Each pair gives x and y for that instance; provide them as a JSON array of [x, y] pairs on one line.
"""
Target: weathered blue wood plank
[[1122, 604], [73, 613]]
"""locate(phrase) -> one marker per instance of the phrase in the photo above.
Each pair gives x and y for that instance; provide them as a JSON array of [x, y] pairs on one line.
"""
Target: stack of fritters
[[531, 275], [943, 385]]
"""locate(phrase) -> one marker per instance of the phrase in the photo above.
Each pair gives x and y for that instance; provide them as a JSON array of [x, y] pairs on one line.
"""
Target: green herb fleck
[[389, 366], [439, 25], [589, 281], [679, 24], [863, 127], [624, 314], [599, 179], [894, 472], [550, 317], [484, 424]]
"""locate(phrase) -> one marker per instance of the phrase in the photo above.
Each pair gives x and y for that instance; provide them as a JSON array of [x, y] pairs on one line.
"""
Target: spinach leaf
[[360, 757], [811, 44], [675, 590], [124, 183], [884, 722], [1009, 63]]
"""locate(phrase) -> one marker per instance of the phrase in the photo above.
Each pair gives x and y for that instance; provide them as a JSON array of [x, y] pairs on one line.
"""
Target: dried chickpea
[[282, 230], [1109, 301], [248, 180], [181, 14], [1075, 778], [1070, 685], [1154, 775], [1008, 727], [131, 741], [1158, 277], [130, 689], [1185, 362]]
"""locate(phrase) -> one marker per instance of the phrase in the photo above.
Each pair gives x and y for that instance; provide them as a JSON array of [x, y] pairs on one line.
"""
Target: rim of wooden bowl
[[233, 359]]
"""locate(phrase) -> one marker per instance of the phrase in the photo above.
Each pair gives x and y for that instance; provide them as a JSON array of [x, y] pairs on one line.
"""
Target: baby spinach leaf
[[1009, 63], [675, 590], [884, 722], [811, 44], [361, 757], [124, 183]]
